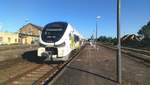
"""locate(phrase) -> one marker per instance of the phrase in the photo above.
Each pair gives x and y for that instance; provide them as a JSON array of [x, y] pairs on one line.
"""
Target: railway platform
[[90, 67]]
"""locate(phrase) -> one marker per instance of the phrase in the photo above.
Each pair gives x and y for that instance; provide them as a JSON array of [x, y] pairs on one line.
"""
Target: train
[[57, 41]]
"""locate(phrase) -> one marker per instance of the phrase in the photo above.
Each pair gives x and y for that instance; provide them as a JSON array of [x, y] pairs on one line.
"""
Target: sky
[[80, 13]]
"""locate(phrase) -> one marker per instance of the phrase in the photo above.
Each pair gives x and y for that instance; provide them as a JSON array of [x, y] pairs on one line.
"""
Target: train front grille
[[52, 50]]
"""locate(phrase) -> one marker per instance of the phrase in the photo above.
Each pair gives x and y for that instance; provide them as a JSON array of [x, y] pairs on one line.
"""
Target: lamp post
[[119, 61], [97, 19]]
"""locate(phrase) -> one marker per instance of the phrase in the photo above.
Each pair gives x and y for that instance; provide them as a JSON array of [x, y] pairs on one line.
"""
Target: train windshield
[[53, 32]]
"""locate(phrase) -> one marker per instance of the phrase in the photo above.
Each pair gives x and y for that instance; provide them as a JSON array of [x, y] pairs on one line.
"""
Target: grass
[[145, 47]]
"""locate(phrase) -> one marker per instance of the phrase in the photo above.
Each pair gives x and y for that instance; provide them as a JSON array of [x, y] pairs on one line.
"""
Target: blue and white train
[[58, 40]]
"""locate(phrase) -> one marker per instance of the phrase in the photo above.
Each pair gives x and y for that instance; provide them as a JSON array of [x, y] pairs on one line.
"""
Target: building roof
[[131, 37], [36, 26], [8, 33]]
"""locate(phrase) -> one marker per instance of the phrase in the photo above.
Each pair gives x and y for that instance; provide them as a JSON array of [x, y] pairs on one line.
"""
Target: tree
[[108, 40], [145, 31]]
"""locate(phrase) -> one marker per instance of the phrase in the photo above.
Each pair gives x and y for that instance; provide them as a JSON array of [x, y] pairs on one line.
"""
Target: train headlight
[[61, 45]]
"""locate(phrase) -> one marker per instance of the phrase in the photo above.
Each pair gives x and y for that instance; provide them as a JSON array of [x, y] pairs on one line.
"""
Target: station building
[[29, 34], [9, 38]]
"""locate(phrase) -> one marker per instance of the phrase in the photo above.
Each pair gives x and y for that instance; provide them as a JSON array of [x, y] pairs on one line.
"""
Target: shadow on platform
[[98, 75]]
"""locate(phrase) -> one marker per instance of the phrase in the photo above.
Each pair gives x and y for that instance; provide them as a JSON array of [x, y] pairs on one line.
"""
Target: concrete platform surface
[[98, 67], [90, 67]]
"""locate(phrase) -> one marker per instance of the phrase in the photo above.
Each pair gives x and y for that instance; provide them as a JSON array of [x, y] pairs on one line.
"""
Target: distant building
[[9, 38], [29, 34], [132, 37], [131, 40]]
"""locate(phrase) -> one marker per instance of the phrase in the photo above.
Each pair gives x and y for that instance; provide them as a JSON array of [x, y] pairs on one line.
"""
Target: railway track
[[40, 74], [137, 53]]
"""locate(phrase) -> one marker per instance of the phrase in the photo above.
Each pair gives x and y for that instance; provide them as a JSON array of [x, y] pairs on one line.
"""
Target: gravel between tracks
[[16, 61], [14, 53], [14, 70]]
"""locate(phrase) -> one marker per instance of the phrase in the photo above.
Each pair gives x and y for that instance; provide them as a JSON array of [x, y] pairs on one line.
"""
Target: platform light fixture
[[97, 19]]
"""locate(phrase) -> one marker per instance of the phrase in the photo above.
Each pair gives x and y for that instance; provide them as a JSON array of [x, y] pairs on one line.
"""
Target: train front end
[[54, 44]]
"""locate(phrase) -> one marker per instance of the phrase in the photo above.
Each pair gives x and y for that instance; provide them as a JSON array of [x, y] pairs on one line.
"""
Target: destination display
[[55, 29]]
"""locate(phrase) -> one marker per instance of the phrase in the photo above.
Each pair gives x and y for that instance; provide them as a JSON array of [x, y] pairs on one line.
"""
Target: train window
[[53, 31], [76, 37]]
